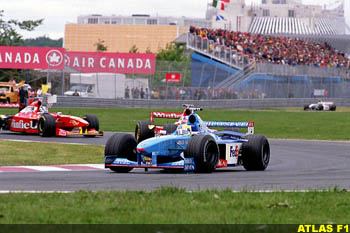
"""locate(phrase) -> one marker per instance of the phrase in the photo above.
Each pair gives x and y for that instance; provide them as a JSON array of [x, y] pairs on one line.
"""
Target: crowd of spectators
[[272, 49]]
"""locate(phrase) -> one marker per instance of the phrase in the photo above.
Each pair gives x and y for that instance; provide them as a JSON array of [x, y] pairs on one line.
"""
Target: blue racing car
[[193, 146]]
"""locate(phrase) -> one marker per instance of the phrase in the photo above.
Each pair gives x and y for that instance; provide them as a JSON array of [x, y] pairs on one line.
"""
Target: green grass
[[273, 123], [29, 153], [172, 205]]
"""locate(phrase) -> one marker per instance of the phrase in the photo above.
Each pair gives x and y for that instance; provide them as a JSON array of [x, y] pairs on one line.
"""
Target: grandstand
[[292, 49]]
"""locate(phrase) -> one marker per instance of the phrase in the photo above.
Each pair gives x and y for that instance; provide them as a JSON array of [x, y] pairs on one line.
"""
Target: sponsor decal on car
[[23, 125]]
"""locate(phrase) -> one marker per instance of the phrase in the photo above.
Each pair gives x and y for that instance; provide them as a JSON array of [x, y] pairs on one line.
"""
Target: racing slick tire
[[142, 131], [8, 100], [332, 107], [205, 151], [47, 126], [256, 153], [306, 107], [93, 124], [319, 107], [122, 144], [170, 128]]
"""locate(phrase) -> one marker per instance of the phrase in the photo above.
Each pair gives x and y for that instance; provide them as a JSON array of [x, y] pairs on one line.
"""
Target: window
[[107, 22], [92, 21], [291, 13], [276, 1], [263, 1], [152, 21], [283, 2], [266, 12]]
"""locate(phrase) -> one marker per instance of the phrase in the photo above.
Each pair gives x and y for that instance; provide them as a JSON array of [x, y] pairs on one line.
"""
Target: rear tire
[[47, 125], [143, 132], [170, 128], [205, 151], [333, 107], [306, 107], [93, 124], [121, 145], [256, 153]]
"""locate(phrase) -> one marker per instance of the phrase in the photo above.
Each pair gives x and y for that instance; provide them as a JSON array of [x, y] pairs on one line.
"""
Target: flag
[[219, 4], [220, 18]]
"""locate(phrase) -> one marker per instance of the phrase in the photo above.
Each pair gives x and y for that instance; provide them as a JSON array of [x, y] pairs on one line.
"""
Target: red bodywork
[[26, 121]]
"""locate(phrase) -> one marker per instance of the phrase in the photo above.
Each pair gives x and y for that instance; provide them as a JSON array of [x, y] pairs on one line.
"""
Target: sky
[[56, 13]]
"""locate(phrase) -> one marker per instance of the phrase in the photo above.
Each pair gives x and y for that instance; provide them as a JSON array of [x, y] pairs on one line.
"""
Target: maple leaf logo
[[54, 58]]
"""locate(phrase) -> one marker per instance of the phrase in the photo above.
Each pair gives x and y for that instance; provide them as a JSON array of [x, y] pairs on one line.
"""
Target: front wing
[[186, 164]]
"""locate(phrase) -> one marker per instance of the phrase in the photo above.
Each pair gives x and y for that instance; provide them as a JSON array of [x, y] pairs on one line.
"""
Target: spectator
[[23, 95], [12, 81], [127, 93], [76, 93]]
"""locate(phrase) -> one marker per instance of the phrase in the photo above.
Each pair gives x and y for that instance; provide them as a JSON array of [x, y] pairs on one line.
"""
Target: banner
[[12, 57], [122, 63], [173, 77]]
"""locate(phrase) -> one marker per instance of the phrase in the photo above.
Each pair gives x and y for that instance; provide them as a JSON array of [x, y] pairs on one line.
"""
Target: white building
[[281, 17]]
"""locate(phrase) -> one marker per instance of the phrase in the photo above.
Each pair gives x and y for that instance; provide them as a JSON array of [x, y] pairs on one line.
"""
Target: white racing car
[[321, 106]]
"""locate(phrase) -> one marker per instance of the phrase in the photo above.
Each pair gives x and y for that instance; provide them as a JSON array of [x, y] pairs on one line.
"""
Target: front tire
[[93, 124], [256, 153], [47, 126], [121, 145], [205, 151]]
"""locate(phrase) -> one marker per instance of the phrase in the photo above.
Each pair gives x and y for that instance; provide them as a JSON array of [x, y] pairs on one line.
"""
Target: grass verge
[[30, 153], [176, 206], [280, 123]]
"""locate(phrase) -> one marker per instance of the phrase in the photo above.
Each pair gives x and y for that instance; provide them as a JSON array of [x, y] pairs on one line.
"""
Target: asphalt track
[[294, 165]]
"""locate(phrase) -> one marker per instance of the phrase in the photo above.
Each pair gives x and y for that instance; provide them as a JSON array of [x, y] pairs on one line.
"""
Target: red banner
[[12, 57], [123, 63], [88, 62], [173, 77]]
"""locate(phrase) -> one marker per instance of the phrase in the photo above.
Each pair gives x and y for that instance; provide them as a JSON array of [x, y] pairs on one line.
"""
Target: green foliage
[[8, 30], [148, 50], [43, 41], [133, 49], [100, 46], [173, 52], [9, 36]]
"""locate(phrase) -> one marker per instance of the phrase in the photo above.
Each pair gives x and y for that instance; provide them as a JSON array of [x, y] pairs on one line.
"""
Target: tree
[[148, 50], [133, 49], [100, 46], [173, 52], [8, 30], [43, 41], [9, 36]]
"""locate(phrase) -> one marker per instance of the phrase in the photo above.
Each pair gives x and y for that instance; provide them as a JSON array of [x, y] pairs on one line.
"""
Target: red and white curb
[[53, 168]]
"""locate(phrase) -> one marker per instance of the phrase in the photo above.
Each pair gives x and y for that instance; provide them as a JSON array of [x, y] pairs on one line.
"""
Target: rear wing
[[232, 124], [167, 115]]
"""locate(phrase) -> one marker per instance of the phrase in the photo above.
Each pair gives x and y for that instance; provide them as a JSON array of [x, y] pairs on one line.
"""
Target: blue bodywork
[[168, 151]]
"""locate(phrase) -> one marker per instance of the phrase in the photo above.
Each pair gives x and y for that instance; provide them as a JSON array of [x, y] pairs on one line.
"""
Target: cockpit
[[184, 130]]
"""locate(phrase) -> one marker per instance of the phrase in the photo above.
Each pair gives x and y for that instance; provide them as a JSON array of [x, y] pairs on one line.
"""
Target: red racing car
[[35, 119]]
